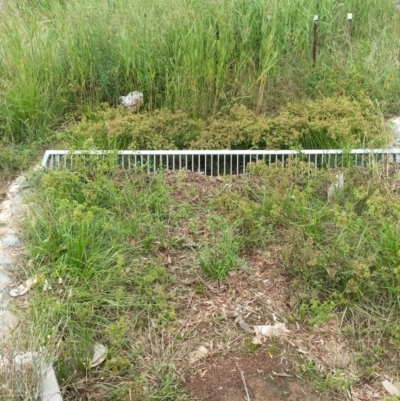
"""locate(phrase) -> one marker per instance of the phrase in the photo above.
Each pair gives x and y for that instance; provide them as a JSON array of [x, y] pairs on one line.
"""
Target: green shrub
[[15, 158], [111, 128], [326, 123]]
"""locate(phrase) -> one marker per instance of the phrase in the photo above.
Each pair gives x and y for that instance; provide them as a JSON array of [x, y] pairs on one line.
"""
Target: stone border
[[11, 211]]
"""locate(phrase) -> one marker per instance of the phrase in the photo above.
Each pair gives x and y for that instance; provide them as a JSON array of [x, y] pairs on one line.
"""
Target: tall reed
[[59, 57]]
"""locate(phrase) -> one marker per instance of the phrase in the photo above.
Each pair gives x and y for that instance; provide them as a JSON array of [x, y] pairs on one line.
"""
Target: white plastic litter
[[276, 330], [23, 288], [100, 353], [50, 388], [390, 387], [394, 125], [197, 355], [132, 100], [338, 185]]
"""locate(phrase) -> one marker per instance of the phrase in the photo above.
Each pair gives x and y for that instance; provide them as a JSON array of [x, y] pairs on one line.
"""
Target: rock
[[4, 297], [5, 214], [5, 261], [8, 320], [4, 280], [26, 185], [11, 241], [14, 188], [4, 332], [16, 204]]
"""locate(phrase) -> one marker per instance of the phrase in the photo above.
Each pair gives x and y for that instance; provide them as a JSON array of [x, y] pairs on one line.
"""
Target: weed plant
[[61, 58], [219, 256], [14, 158]]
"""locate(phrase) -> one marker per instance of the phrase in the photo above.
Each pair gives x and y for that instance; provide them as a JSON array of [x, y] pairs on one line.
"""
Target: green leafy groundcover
[[327, 123]]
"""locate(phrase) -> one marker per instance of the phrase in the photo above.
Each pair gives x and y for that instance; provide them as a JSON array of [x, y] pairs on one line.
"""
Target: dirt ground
[[227, 378], [270, 370]]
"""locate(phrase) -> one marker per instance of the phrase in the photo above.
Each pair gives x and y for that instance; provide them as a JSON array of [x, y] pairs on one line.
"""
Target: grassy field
[[60, 58]]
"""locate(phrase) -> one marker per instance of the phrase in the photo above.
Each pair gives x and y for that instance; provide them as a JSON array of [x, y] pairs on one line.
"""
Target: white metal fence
[[217, 162]]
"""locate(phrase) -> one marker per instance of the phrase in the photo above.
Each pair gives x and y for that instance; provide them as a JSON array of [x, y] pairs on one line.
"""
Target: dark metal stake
[[346, 46], [314, 50]]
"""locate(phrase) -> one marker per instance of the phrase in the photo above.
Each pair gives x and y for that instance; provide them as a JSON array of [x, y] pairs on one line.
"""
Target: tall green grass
[[58, 58]]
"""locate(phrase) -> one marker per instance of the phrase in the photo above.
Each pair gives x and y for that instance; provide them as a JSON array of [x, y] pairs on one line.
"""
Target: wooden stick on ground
[[244, 383]]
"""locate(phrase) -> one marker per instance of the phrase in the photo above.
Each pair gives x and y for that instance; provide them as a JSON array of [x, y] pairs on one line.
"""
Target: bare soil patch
[[266, 378], [271, 369]]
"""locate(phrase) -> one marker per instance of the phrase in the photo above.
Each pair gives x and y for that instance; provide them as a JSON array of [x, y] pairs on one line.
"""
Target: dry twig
[[244, 383]]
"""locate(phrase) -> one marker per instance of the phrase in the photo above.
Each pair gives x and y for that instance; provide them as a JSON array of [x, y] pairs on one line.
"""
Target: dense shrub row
[[327, 123]]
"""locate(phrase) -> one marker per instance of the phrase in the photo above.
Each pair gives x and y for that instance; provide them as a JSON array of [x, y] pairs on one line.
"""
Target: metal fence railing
[[217, 162]]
